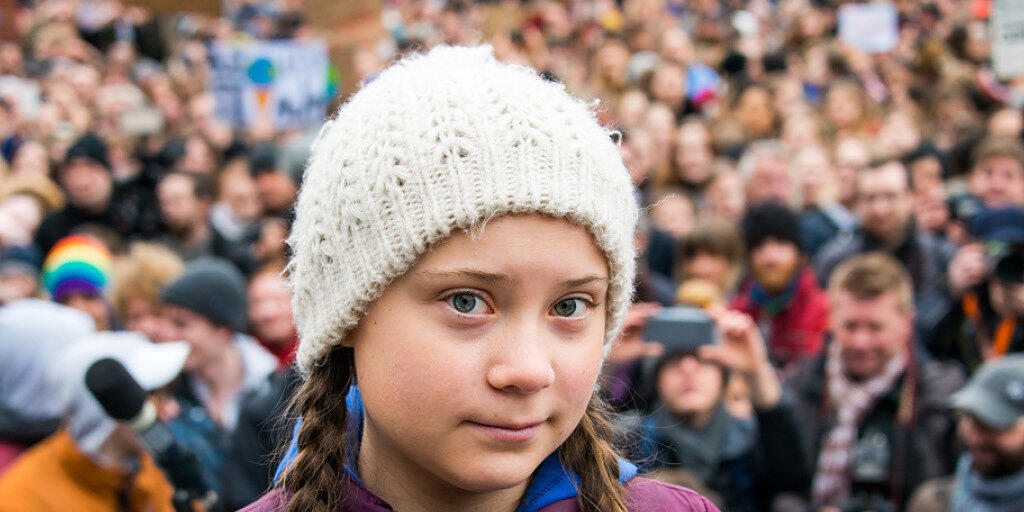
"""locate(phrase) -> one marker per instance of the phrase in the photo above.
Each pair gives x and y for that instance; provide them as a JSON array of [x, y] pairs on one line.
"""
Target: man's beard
[[1005, 464]]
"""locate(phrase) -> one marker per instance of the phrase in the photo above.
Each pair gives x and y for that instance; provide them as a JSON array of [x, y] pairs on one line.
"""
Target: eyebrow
[[496, 278]]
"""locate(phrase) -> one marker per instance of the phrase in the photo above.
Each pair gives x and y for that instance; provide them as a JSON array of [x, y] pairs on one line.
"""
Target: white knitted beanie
[[438, 143]]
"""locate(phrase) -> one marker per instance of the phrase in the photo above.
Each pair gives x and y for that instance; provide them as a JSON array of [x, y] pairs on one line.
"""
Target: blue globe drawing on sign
[[261, 71]]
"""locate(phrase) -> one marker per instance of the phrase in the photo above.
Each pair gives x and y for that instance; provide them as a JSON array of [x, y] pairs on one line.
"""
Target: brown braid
[[590, 453], [313, 479]]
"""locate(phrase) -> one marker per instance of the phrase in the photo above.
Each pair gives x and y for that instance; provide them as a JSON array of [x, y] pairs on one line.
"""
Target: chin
[[494, 473]]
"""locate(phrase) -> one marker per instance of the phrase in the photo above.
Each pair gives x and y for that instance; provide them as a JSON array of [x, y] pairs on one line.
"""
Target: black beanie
[[770, 220], [88, 146], [212, 288]]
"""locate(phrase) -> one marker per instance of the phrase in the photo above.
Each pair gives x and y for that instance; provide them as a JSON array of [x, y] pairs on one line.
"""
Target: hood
[[33, 333], [550, 483]]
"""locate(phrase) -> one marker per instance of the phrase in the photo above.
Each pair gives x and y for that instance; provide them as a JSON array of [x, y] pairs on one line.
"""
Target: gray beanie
[[213, 288], [435, 144]]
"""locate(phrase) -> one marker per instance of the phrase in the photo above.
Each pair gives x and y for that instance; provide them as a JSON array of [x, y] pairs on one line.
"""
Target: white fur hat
[[438, 143]]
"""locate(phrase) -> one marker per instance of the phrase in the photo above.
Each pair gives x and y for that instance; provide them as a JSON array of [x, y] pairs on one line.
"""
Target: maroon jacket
[[644, 495]]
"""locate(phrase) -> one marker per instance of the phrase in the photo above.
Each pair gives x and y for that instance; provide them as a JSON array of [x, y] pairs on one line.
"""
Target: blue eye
[[569, 308], [466, 303]]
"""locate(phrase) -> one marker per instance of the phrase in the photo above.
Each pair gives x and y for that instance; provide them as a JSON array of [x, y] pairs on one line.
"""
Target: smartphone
[[681, 329]]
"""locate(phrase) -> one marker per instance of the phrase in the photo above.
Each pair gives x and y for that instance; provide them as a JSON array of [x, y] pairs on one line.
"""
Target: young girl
[[463, 249]]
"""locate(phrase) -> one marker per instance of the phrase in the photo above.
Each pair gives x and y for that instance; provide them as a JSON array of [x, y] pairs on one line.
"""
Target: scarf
[[975, 493], [773, 304], [702, 450], [852, 400]]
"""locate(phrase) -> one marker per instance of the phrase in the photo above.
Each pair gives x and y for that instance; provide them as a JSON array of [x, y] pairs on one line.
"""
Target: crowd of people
[[852, 222]]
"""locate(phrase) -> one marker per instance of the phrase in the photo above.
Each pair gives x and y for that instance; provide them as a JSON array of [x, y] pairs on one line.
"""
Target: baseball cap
[[995, 395]]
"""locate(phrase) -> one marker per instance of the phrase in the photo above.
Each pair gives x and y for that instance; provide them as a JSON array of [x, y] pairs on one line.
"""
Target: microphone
[[123, 399]]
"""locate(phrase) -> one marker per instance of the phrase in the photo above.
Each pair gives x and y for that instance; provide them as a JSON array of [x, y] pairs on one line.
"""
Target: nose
[[521, 364]]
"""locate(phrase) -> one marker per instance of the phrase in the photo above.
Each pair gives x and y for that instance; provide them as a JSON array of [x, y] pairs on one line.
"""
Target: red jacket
[[798, 330]]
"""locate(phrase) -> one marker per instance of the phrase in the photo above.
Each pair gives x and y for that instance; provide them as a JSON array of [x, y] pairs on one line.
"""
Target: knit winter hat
[[770, 220], [76, 264], [212, 288], [88, 146], [438, 143]]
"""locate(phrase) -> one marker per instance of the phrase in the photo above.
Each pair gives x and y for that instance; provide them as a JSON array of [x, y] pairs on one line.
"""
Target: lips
[[511, 432]]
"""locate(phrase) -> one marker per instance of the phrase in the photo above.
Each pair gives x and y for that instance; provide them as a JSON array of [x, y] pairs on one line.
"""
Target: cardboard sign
[[872, 27], [1007, 27], [210, 8], [286, 81]]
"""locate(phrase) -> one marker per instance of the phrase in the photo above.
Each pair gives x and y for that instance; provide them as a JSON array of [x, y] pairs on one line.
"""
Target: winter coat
[[796, 332], [644, 495], [912, 418], [56, 476], [756, 459]]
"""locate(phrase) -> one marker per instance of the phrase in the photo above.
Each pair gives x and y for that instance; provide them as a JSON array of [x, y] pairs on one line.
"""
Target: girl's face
[[479, 362]]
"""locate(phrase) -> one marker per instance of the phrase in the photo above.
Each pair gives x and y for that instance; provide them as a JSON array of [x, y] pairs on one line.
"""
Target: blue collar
[[550, 483]]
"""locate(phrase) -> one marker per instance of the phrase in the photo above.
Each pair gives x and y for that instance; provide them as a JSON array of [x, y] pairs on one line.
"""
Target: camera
[[1006, 261]]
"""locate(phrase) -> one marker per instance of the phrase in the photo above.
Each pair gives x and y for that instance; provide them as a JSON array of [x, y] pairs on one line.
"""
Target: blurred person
[[997, 172], [25, 200], [631, 107], [712, 252], [185, 201], [32, 333], [654, 274], [781, 293], [19, 273], [692, 159], [668, 86], [206, 307], [754, 110], [823, 217], [745, 460], [277, 189], [238, 208], [846, 107], [1006, 122], [990, 473], [899, 134], [92, 197], [94, 462], [992, 430], [76, 273], [872, 408], [673, 213], [799, 130], [767, 174], [927, 166], [660, 123], [726, 195], [851, 155], [136, 281], [987, 278], [261, 429], [31, 158], [270, 313], [885, 209], [637, 147]]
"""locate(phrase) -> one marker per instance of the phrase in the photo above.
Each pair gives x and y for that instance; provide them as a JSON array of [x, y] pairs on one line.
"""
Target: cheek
[[405, 368]]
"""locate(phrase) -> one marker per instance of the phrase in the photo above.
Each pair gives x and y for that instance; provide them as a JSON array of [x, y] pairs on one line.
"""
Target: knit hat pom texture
[[441, 142]]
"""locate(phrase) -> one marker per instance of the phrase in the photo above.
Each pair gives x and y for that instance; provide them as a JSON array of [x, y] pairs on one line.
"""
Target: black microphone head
[[115, 389]]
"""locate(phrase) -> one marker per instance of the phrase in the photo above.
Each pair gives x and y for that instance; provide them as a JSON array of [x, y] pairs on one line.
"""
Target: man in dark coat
[[873, 410]]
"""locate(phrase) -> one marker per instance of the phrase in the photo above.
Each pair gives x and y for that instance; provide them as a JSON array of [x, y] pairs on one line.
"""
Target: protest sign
[[1007, 27], [872, 27], [287, 81], [212, 8]]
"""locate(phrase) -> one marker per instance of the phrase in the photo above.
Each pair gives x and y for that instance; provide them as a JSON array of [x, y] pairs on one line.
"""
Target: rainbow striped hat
[[77, 264]]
